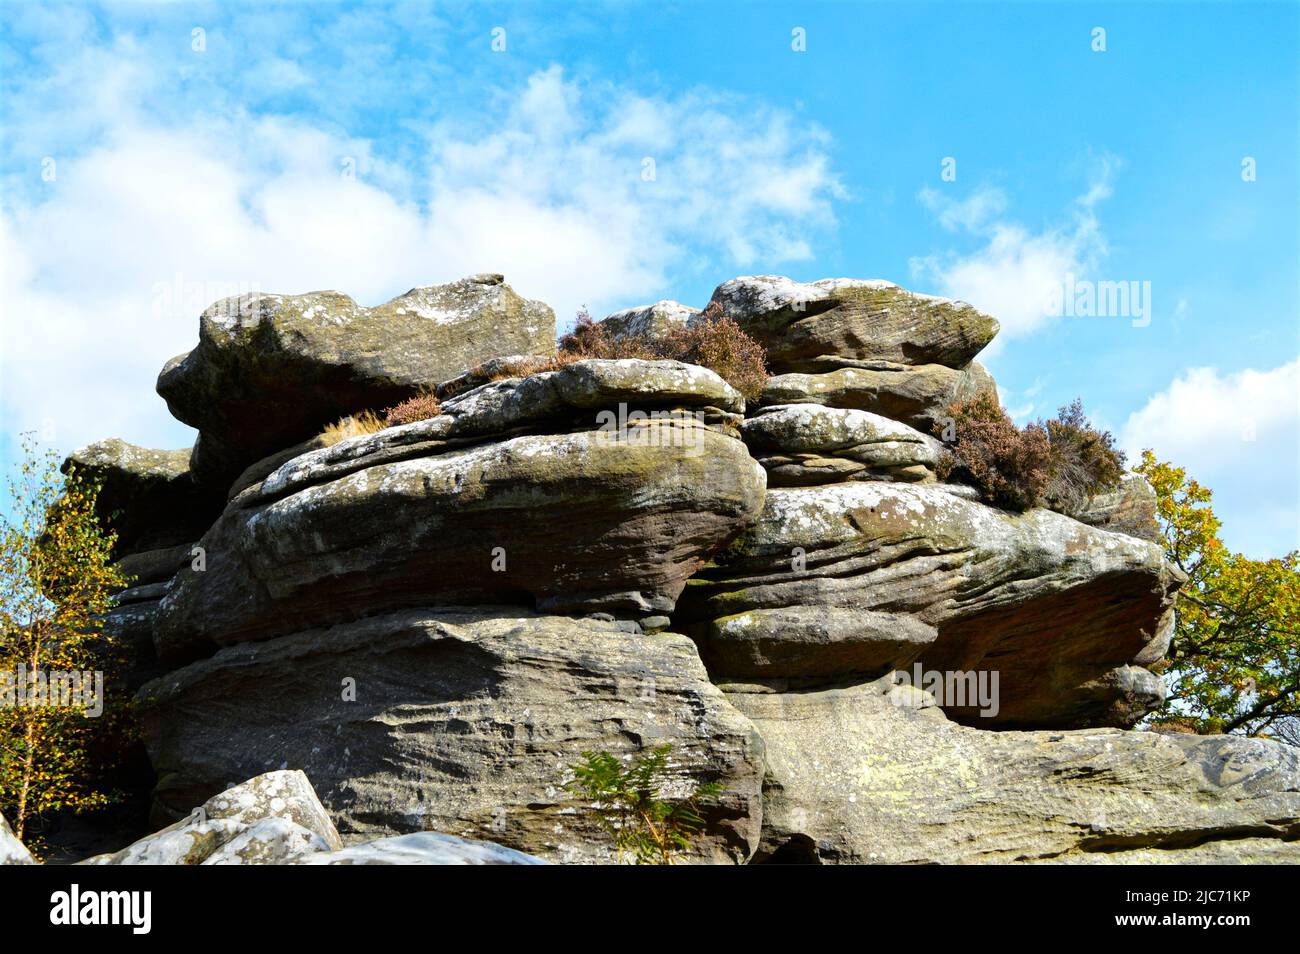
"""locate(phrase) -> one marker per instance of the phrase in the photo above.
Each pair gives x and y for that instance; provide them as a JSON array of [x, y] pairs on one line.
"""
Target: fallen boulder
[[12, 851], [263, 820]]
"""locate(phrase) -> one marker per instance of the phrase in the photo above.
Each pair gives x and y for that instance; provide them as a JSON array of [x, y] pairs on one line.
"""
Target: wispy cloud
[[1238, 434], [1013, 272], [580, 193]]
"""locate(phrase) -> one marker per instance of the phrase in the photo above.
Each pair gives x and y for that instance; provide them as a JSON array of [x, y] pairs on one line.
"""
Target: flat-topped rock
[[845, 322], [271, 370]]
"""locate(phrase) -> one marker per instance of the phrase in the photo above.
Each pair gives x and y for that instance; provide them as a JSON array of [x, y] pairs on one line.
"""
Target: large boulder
[[874, 773], [847, 322], [147, 497], [1065, 616], [272, 370], [266, 819], [801, 444], [461, 722], [612, 517], [918, 396]]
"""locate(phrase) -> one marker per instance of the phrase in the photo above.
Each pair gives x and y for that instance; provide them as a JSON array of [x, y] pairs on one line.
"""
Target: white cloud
[[1239, 434], [1013, 274], [549, 191]]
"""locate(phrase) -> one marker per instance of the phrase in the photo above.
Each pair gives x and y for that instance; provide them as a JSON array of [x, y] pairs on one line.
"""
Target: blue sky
[[372, 148]]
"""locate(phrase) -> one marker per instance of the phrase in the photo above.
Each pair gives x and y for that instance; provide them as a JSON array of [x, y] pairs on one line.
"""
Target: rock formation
[[433, 622]]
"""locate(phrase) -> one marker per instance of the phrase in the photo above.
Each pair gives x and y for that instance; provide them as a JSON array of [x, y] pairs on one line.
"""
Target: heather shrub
[[421, 407], [719, 344], [1010, 466], [1061, 463], [1083, 462]]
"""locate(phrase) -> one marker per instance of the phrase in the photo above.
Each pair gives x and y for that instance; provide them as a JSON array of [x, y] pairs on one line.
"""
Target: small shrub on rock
[[1084, 461], [419, 408], [1010, 466], [718, 343], [1061, 463]]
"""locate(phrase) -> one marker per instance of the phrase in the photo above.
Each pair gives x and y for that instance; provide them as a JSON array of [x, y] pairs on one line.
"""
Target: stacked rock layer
[[434, 621]]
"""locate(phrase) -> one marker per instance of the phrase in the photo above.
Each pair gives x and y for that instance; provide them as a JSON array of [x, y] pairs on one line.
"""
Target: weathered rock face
[[844, 322], [800, 444], [271, 370], [918, 396], [460, 722], [613, 520], [648, 321], [1065, 614], [387, 614], [863, 774], [147, 497]]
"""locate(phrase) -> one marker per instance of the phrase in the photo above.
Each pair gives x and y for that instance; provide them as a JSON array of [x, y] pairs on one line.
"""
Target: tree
[[56, 582], [631, 806], [1234, 661]]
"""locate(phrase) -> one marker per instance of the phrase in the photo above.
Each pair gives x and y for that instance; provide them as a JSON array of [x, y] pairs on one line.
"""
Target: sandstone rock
[[285, 795], [156, 566], [1051, 605], [613, 520], [146, 496], [648, 321], [272, 370], [856, 778], [918, 396], [422, 848], [829, 641], [463, 722], [12, 851], [838, 322], [1130, 508], [271, 841], [801, 444]]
